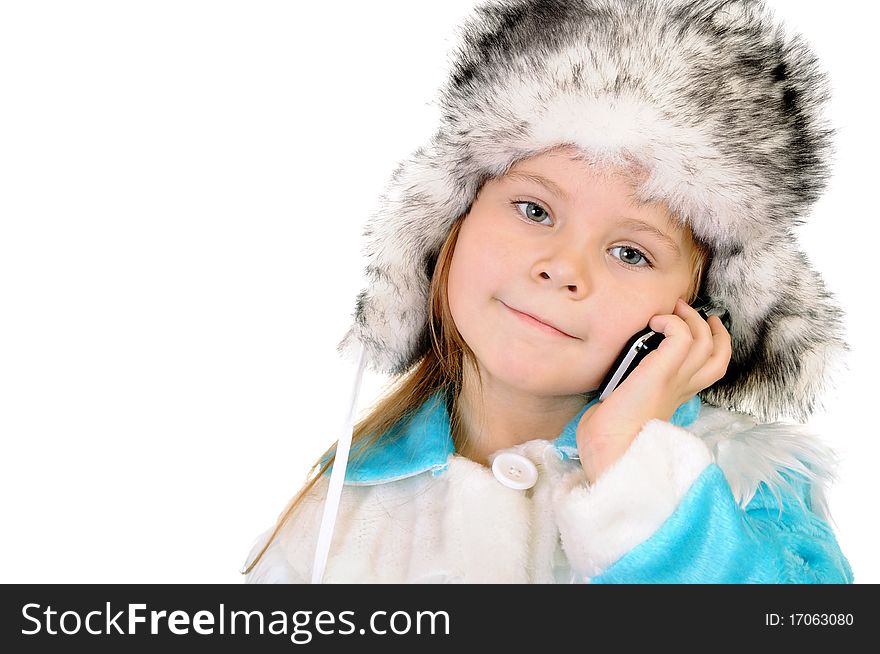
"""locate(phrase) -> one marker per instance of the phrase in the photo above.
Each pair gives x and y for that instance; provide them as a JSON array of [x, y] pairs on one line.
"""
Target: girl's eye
[[528, 211], [534, 210], [638, 253]]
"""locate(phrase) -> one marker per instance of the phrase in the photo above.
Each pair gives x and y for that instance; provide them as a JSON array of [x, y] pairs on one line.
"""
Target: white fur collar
[[750, 452]]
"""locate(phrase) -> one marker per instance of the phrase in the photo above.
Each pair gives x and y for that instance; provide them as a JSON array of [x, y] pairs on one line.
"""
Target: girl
[[599, 164]]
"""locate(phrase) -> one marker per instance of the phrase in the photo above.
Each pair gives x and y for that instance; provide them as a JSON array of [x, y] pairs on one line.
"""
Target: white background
[[182, 191]]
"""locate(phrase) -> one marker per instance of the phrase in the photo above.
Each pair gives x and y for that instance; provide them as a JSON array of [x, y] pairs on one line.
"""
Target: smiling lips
[[534, 322]]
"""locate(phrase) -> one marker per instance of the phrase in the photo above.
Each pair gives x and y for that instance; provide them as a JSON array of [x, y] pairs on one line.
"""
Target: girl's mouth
[[537, 324]]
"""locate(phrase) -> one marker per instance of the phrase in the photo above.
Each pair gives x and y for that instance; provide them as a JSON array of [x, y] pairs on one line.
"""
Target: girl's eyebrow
[[625, 221], [549, 184], [641, 226]]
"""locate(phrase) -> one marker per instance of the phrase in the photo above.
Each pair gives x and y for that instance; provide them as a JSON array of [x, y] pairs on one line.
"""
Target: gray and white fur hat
[[719, 103]]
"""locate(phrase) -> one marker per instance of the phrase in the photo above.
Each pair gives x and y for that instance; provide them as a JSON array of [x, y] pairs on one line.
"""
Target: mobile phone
[[647, 340]]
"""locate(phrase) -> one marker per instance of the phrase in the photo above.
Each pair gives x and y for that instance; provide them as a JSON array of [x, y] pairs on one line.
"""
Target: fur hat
[[719, 105]]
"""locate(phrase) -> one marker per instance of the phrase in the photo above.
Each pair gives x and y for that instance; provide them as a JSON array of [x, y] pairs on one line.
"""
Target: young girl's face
[[568, 257]]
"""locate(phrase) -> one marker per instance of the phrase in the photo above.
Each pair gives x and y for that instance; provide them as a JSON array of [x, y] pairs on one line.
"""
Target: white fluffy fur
[[599, 523]]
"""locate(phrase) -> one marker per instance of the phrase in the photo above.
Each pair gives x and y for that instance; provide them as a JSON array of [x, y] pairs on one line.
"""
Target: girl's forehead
[[570, 160], [571, 173], [567, 166]]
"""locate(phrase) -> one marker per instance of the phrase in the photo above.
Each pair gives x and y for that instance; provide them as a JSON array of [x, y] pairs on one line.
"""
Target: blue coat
[[709, 497]]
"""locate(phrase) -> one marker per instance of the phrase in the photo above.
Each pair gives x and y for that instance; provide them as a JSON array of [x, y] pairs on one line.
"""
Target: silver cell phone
[[647, 340]]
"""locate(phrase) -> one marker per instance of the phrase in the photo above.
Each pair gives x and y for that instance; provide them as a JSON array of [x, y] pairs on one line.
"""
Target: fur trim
[[787, 458], [631, 499]]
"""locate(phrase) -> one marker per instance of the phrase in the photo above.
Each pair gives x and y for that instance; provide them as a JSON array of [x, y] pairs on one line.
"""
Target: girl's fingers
[[708, 354], [722, 350], [699, 327], [715, 365], [701, 332]]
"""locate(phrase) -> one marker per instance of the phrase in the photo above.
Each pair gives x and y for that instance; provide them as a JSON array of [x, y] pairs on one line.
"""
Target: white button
[[515, 470]]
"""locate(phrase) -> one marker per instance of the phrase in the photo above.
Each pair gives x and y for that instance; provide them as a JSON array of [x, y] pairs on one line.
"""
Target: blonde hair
[[439, 369]]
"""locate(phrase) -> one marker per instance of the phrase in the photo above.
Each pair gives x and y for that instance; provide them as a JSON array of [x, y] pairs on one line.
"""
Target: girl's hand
[[693, 355]]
